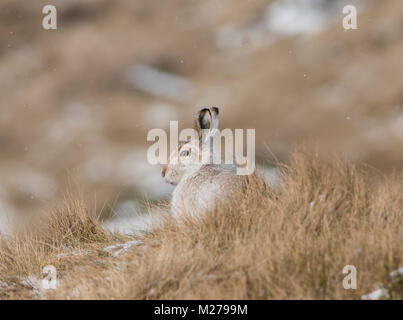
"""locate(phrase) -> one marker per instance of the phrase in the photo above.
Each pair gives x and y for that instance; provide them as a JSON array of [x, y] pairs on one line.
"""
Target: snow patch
[[396, 273], [376, 295], [130, 225], [119, 248], [129, 219], [293, 17], [159, 83], [283, 18]]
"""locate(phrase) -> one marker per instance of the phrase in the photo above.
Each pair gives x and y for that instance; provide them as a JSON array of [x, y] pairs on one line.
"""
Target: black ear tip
[[203, 111], [204, 119], [215, 110]]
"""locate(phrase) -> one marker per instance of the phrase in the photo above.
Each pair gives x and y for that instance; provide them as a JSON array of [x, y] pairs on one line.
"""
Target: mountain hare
[[200, 187]]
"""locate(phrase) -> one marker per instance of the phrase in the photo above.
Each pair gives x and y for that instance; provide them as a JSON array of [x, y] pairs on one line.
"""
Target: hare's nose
[[164, 169]]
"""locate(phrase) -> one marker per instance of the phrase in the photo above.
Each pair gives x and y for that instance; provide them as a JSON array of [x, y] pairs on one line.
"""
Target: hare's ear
[[207, 123], [214, 118], [203, 121]]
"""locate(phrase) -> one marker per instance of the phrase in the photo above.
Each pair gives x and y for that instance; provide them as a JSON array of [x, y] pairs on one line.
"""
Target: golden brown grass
[[286, 243], [57, 239]]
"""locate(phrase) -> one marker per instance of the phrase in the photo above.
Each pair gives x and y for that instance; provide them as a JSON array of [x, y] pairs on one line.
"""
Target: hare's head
[[187, 159]]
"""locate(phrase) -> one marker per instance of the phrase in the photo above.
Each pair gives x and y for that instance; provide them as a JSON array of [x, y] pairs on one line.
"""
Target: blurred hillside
[[78, 101]]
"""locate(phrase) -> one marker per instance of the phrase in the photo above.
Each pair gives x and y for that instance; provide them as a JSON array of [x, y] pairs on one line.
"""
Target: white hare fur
[[200, 187]]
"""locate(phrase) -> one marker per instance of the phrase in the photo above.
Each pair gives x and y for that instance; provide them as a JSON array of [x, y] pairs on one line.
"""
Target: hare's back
[[204, 190]]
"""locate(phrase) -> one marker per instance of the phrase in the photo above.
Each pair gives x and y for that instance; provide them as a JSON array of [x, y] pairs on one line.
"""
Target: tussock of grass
[[65, 229], [289, 242], [72, 225]]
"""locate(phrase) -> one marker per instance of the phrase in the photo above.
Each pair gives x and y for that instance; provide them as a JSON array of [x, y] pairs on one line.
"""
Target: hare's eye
[[184, 153]]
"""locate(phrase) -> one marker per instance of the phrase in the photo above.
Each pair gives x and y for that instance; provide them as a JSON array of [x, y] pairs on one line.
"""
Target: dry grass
[[291, 242], [58, 238]]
